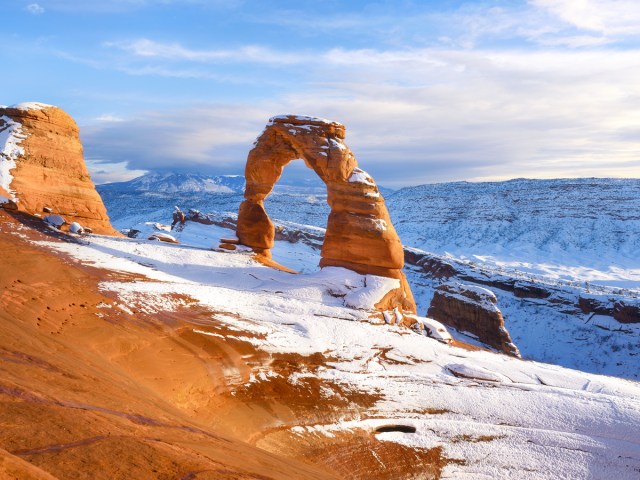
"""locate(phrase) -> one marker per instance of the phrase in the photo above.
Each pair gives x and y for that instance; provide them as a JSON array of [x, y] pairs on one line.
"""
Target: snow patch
[[302, 118], [339, 144], [11, 136], [31, 106], [360, 176]]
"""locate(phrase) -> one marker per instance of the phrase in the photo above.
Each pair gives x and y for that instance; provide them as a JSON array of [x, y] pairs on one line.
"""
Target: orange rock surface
[[51, 173], [359, 233], [89, 390]]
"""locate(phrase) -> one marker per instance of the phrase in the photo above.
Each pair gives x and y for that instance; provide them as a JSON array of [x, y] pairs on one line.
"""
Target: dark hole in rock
[[396, 428]]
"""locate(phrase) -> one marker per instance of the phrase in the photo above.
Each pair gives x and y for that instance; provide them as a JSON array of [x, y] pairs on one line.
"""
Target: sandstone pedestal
[[49, 173]]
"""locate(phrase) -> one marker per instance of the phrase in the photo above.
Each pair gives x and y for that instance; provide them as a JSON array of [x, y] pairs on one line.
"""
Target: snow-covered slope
[[493, 416], [568, 228]]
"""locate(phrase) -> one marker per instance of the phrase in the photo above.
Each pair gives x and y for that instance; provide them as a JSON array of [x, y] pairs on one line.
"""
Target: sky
[[430, 91]]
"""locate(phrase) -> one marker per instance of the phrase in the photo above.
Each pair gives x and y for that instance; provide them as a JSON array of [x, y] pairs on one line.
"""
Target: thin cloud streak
[[147, 48], [34, 9], [127, 6]]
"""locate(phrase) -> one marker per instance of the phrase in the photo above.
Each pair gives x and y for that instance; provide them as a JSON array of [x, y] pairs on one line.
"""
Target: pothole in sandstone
[[396, 428]]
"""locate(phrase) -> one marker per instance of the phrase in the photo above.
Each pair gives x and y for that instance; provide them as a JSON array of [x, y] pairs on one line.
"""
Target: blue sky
[[430, 91]]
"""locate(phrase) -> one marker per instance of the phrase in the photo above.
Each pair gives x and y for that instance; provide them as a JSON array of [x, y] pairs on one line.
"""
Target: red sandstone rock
[[472, 309], [359, 233], [50, 173], [626, 313]]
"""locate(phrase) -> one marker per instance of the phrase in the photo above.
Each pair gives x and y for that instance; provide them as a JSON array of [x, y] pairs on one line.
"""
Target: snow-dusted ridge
[[31, 106], [498, 416], [300, 118], [177, 183], [565, 229]]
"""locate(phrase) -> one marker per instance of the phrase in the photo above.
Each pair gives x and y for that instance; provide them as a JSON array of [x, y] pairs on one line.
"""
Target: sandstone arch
[[359, 233]]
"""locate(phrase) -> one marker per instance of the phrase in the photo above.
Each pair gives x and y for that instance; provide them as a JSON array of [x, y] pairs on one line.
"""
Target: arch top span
[[359, 235]]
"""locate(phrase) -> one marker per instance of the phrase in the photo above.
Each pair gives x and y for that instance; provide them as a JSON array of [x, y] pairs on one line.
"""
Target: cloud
[[34, 9], [617, 17], [107, 117], [113, 172], [544, 88], [212, 138], [146, 48], [126, 6], [421, 115], [435, 113]]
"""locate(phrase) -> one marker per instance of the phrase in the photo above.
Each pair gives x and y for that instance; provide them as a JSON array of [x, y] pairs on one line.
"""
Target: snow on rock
[[476, 373], [55, 221], [434, 329], [582, 229], [300, 119], [337, 143], [11, 136], [360, 176], [361, 292], [163, 237], [480, 296], [76, 228], [31, 106]]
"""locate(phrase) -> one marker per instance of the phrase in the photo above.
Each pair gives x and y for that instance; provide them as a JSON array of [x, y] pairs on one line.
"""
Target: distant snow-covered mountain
[[170, 182], [191, 183]]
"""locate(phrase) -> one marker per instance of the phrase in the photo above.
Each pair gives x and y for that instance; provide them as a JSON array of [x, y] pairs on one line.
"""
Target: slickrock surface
[[43, 166], [93, 389], [472, 309], [359, 233]]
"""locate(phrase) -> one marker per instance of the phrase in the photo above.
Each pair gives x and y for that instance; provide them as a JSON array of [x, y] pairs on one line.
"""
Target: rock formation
[[42, 167], [359, 233], [624, 311], [472, 309]]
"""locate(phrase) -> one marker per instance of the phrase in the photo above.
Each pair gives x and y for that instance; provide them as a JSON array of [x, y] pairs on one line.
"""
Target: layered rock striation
[[359, 234], [474, 310], [42, 168]]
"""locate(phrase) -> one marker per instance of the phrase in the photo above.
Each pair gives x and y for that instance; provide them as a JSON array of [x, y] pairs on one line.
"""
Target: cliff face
[[42, 167], [472, 309], [359, 235]]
